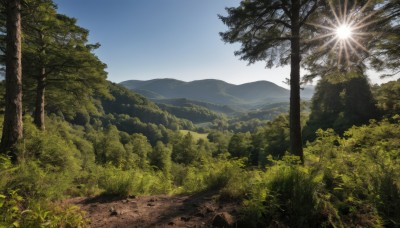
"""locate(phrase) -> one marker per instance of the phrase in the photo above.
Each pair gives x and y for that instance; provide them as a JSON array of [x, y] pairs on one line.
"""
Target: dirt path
[[198, 210]]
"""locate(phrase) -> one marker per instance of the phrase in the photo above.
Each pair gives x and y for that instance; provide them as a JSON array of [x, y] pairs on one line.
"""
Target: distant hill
[[213, 91]]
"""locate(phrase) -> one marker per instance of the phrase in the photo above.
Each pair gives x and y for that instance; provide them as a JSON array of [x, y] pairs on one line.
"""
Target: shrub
[[292, 198], [115, 181]]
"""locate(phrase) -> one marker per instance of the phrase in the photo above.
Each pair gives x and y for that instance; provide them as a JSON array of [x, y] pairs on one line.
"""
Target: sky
[[147, 39]]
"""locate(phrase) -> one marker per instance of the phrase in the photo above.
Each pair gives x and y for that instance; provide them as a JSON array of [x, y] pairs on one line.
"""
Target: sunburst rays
[[345, 32]]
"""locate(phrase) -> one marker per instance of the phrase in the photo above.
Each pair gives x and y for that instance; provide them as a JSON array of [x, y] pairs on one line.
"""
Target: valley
[[79, 150]]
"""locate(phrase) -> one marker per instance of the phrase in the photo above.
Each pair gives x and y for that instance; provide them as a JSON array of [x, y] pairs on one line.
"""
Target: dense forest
[[70, 132]]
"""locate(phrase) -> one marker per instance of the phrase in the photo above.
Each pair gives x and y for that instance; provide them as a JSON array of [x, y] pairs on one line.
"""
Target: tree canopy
[[57, 57], [272, 31]]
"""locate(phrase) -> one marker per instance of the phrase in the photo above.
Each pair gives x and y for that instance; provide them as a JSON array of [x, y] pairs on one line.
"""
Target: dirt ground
[[197, 210]]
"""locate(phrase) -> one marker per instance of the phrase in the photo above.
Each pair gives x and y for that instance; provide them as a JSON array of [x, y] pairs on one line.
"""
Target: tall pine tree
[[12, 125], [272, 31], [59, 64]]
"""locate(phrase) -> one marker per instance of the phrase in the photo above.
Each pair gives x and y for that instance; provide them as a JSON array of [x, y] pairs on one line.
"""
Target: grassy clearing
[[196, 136]]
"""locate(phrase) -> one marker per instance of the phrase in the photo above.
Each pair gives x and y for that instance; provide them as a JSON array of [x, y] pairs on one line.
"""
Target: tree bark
[[40, 100], [296, 145], [12, 125]]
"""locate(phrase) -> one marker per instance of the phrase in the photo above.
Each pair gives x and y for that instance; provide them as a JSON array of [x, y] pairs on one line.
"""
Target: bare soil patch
[[197, 210]]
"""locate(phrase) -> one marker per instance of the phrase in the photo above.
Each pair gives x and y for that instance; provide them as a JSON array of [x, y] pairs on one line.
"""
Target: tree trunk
[[12, 125], [39, 105], [296, 146]]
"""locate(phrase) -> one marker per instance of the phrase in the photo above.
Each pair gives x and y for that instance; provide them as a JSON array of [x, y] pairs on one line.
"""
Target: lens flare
[[344, 31]]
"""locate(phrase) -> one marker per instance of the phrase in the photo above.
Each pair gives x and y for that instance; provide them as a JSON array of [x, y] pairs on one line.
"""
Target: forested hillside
[[74, 136]]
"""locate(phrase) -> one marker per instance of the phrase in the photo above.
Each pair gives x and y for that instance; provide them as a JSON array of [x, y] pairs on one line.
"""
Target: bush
[[292, 198], [118, 182]]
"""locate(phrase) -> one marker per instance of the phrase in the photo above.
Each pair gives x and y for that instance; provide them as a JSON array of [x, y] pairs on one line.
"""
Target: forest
[[333, 161]]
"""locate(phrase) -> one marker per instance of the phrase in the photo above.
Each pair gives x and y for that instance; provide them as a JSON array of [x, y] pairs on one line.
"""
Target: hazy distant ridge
[[211, 90]]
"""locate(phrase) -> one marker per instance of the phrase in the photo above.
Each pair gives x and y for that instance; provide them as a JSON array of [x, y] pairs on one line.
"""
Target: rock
[[223, 219], [113, 212], [171, 223]]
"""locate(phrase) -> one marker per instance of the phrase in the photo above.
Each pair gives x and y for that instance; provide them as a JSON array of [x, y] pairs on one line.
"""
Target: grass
[[196, 136]]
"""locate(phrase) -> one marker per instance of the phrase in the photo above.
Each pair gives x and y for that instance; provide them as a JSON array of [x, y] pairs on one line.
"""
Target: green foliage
[[361, 194], [161, 158], [50, 148], [37, 214], [333, 188], [108, 148], [345, 182], [9, 208], [57, 59], [250, 121], [230, 178], [196, 136], [194, 113], [340, 105], [240, 145], [185, 150], [225, 175], [221, 139], [292, 198], [134, 105], [140, 148], [387, 97], [273, 139], [115, 181]]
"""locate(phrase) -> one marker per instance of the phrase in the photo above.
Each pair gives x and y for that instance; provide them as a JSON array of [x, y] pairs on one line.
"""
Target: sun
[[344, 32]]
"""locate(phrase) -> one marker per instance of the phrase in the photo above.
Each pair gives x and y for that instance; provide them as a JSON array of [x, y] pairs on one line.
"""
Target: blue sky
[[146, 39]]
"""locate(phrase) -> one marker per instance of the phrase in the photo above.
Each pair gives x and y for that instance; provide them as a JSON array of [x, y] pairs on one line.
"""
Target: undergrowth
[[346, 181]]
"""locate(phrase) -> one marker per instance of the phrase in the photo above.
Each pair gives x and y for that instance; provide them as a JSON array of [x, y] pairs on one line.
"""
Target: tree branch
[[303, 21]]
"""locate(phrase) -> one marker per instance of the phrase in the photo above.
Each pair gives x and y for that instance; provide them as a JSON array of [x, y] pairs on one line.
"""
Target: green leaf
[[2, 200]]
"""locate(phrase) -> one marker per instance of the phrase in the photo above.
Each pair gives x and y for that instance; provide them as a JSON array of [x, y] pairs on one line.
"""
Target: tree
[[386, 55], [240, 145], [387, 96], [373, 40], [272, 139], [271, 31], [161, 158], [57, 58], [12, 125], [185, 150], [109, 149], [221, 139], [340, 105], [141, 148]]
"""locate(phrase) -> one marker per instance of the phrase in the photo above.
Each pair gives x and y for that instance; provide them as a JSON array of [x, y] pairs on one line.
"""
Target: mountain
[[208, 90], [307, 92], [213, 91], [259, 92]]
